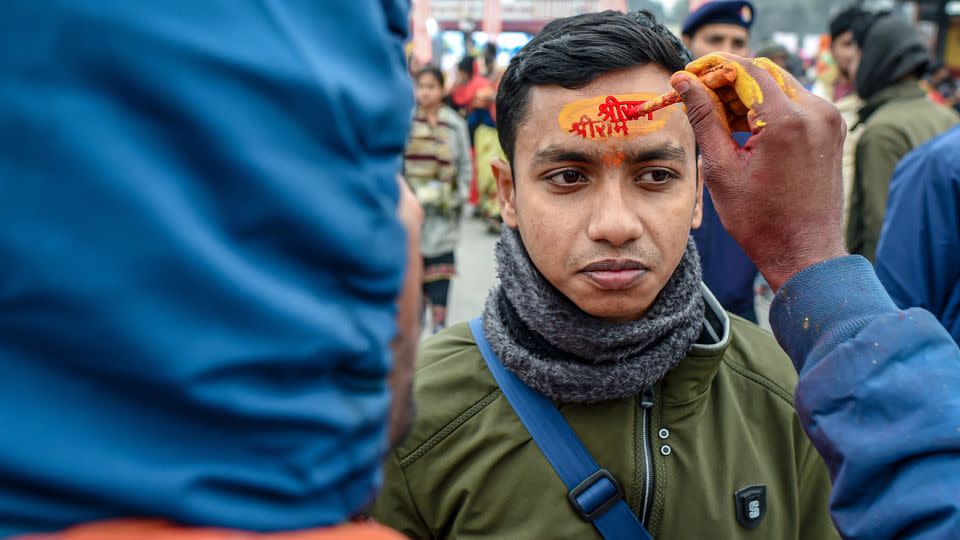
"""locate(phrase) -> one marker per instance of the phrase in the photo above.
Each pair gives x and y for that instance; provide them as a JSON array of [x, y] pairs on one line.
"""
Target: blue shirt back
[[918, 257], [200, 258]]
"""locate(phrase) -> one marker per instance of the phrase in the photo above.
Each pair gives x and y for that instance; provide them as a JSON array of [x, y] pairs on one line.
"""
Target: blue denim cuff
[[824, 305]]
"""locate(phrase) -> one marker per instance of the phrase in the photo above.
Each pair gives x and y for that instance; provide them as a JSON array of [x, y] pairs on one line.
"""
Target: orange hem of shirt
[[143, 529]]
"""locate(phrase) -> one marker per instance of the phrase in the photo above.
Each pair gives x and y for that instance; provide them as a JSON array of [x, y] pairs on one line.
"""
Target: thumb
[[707, 116]]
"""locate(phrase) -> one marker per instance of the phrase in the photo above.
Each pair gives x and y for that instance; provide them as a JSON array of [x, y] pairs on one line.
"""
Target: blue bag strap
[[594, 493]]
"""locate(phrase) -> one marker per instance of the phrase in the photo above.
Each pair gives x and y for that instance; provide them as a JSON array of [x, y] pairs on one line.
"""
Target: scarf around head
[[572, 357], [892, 48]]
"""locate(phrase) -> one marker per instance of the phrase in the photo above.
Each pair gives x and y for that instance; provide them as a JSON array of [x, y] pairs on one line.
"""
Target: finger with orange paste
[[745, 85], [719, 111], [762, 87], [719, 77], [783, 79]]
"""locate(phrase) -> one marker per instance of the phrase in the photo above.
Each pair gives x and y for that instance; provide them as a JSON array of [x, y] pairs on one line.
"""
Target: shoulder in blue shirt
[[918, 257]]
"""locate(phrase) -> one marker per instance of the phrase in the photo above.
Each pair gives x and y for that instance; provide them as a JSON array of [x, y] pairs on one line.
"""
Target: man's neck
[[573, 357]]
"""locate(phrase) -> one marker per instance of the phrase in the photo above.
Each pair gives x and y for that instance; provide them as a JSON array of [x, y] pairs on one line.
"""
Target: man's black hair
[[572, 52], [430, 70], [844, 20]]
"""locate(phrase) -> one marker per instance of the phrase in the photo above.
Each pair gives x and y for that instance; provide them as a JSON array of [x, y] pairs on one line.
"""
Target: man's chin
[[620, 309]]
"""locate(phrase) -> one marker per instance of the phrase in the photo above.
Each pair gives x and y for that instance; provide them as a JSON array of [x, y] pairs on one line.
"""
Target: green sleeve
[[878, 152], [815, 487], [395, 506]]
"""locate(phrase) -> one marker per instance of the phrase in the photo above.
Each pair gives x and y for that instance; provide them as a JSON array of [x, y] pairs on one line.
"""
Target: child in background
[[437, 166]]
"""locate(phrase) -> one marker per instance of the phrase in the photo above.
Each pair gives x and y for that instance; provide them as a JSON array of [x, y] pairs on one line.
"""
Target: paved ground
[[477, 271]]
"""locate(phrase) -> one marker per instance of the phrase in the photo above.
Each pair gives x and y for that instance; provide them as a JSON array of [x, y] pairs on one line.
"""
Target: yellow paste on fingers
[[777, 72], [747, 88]]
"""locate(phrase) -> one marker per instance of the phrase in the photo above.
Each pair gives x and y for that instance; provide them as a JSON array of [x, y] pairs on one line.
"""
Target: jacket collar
[[903, 90], [691, 379]]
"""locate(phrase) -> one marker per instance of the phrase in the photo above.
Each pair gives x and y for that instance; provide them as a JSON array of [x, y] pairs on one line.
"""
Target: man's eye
[[567, 178], [657, 176]]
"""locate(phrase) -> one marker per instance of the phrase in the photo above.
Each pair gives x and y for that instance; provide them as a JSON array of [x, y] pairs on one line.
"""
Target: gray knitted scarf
[[572, 357]]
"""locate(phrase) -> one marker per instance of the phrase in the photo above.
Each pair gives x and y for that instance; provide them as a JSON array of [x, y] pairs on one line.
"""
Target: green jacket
[[722, 420], [895, 121]]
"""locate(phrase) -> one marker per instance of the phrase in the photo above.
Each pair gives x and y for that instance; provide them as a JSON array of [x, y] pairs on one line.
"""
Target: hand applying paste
[[736, 90], [801, 226]]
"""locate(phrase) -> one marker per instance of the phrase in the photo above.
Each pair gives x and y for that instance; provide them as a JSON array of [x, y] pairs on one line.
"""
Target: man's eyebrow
[[559, 154], [666, 152], [594, 156]]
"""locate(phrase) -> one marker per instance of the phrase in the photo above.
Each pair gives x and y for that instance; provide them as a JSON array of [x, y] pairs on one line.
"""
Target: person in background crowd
[[777, 53], [473, 97], [836, 86], [719, 26], [437, 166], [490, 62], [897, 116], [780, 56], [878, 386], [468, 82], [942, 82], [482, 104], [601, 309], [483, 135], [723, 26], [918, 256], [200, 269], [486, 149]]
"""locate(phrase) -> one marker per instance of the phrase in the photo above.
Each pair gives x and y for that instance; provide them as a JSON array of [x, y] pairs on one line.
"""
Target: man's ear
[[506, 192], [686, 40], [698, 197]]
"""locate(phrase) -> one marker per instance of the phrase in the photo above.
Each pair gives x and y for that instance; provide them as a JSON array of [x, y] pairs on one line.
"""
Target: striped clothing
[[438, 167]]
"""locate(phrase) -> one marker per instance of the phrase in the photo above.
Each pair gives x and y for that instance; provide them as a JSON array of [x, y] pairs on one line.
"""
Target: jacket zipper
[[647, 400]]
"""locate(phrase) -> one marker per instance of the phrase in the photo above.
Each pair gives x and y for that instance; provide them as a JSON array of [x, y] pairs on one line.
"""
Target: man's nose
[[614, 217]]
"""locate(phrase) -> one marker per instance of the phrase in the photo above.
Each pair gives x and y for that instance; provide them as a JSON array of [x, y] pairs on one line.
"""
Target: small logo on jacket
[[753, 510], [751, 504]]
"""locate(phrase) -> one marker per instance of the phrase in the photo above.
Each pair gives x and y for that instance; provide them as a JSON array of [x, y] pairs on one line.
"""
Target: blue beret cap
[[720, 11]]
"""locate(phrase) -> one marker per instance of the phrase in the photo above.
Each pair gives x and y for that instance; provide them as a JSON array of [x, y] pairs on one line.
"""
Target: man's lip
[[615, 274], [615, 280], [614, 265]]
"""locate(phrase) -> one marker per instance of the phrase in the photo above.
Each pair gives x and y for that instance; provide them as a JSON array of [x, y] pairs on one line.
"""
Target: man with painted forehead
[[603, 388]]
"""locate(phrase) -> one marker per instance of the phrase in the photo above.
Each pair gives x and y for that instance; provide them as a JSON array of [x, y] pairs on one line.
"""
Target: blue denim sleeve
[[879, 396]]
